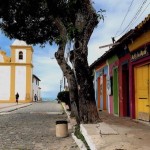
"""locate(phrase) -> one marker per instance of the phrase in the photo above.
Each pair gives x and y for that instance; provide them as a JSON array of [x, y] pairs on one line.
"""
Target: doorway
[[98, 93], [142, 92], [115, 90], [125, 90], [104, 93]]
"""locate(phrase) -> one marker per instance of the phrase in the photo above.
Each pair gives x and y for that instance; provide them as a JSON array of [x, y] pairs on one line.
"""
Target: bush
[[64, 97]]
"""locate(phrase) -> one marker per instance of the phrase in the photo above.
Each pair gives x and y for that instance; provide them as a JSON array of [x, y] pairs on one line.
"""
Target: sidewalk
[[8, 107], [116, 133]]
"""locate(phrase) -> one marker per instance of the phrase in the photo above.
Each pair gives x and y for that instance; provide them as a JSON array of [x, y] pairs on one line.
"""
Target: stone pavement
[[114, 133], [33, 127]]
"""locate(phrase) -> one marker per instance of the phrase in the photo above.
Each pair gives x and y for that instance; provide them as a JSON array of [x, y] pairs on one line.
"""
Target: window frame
[[20, 56]]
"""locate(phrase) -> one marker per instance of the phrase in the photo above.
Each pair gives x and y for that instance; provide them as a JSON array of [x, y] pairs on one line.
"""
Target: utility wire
[[124, 17], [143, 11], [136, 17], [133, 19]]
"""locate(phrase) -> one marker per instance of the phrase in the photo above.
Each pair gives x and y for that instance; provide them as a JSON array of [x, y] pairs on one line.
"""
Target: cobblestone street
[[33, 128]]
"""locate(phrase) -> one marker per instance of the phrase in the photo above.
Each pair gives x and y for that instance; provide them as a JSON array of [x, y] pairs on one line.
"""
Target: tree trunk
[[86, 21], [87, 105], [73, 92], [66, 69]]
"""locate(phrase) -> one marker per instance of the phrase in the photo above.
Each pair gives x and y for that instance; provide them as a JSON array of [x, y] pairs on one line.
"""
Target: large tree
[[59, 21]]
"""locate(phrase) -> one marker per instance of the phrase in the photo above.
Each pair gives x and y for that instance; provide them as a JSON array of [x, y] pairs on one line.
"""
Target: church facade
[[16, 73]]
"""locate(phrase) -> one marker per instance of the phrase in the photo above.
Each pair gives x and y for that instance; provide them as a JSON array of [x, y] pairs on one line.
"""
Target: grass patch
[[79, 135]]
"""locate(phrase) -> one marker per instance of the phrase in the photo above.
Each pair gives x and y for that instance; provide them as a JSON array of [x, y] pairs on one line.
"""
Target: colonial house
[[16, 73], [122, 75], [36, 88]]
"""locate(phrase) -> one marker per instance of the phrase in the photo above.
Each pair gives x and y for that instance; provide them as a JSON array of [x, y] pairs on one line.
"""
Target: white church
[[16, 74]]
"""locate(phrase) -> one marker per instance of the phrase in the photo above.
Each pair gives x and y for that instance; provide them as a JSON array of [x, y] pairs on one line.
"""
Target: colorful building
[[127, 75], [101, 72], [139, 47], [113, 77], [16, 73]]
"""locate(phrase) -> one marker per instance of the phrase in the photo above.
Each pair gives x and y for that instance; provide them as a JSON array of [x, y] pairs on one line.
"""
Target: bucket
[[61, 128]]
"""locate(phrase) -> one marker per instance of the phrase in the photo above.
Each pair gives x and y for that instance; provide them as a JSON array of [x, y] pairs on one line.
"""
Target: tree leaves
[[34, 20]]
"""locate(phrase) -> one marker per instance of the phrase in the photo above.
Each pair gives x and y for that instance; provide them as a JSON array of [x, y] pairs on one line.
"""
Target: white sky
[[48, 70]]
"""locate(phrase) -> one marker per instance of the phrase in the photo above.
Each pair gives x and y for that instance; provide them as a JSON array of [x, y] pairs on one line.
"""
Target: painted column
[[12, 84], [28, 83], [108, 80]]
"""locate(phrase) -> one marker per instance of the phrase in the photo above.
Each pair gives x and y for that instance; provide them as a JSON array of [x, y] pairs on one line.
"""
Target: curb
[[48, 113], [78, 141], [87, 138], [64, 107]]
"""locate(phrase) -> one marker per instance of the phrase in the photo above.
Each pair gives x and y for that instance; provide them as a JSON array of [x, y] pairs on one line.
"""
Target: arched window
[[20, 55]]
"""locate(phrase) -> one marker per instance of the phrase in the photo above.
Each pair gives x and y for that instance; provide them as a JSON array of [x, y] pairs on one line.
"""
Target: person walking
[[17, 97], [35, 97]]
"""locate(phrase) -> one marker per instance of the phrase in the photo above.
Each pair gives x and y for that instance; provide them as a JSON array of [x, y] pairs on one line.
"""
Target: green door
[[115, 90]]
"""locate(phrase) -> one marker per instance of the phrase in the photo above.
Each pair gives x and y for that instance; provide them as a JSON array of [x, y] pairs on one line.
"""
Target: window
[[20, 55]]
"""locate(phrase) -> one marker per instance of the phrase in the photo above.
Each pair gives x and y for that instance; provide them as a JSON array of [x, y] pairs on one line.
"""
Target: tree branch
[[66, 69], [62, 29], [92, 21]]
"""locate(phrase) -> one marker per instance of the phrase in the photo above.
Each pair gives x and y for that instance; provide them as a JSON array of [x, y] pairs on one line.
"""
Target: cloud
[[48, 71], [115, 12]]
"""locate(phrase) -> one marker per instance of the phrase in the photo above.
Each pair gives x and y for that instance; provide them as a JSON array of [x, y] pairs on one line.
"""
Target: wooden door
[[98, 93], [142, 95], [125, 90], [104, 93]]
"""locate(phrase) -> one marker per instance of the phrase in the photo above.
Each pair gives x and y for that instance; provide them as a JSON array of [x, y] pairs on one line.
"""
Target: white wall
[[1, 58], [39, 96], [17, 56], [4, 82], [20, 82], [36, 89]]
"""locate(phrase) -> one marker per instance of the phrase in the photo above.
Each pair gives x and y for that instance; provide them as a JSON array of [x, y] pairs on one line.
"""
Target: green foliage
[[100, 14], [64, 97], [34, 20], [29, 21]]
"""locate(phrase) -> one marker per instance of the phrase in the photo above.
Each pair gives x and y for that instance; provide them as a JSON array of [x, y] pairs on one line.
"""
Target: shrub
[[64, 97]]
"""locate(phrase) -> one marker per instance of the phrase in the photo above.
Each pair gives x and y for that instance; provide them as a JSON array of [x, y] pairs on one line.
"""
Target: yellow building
[[16, 73], [139, 48]]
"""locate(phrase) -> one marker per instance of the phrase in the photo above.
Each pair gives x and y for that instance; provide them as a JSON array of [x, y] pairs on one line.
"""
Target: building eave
[[36, 77], [125, 39]]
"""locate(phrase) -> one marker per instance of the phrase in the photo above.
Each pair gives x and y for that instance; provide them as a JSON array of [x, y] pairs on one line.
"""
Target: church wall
[[4, 82], [1, 58], [20, 81], [16, 73]]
